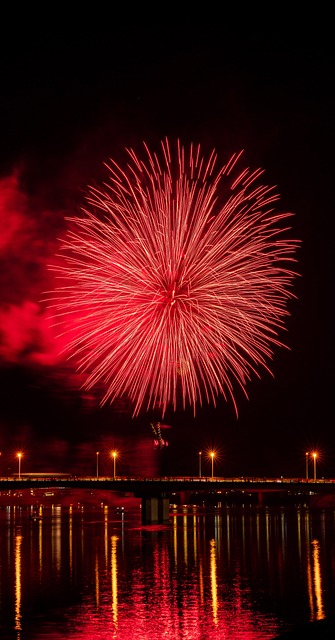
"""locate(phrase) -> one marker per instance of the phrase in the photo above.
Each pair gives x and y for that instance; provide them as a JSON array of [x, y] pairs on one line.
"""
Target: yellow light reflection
[[214, 586], [201, 583], [218, 532], [40, 540], [114, 540], [18, 544], [185, 538], [71, 540], [175, 545], [195, 541], [56, 539], [317, 580], [267, 531], [309, 567], [97, 583], [106, 533]]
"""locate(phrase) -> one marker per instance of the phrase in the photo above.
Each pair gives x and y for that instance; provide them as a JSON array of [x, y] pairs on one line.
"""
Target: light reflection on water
[[231, 574]]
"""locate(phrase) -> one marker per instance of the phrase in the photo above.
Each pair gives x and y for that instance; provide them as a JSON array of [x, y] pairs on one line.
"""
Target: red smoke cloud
[[26, 243], [26, 336]]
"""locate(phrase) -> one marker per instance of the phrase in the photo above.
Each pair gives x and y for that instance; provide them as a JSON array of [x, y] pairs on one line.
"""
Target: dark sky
[[72, 96]]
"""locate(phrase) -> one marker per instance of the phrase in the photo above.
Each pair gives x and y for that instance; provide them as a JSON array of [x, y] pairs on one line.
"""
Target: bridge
[[143, 486], [156, 492]]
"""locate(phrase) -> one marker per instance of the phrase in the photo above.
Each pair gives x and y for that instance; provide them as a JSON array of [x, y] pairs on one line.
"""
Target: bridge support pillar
[[155, 510]]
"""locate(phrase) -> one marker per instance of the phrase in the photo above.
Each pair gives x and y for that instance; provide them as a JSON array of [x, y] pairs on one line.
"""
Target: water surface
[[231, 573]]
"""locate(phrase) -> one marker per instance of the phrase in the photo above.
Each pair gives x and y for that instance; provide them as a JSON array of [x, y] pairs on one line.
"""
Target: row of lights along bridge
[[210, 455]]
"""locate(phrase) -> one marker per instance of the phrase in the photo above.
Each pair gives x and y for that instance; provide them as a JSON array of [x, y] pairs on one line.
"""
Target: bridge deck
[[167, 485]]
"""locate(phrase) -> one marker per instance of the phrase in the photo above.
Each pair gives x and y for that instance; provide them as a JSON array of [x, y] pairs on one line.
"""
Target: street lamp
[[307, 454], [19, 455], [314, 456], [200, 452], [98, 463], [212, 454], [114, 454]]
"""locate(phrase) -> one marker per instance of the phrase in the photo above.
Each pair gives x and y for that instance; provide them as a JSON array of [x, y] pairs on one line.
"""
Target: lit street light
[[98, 463], [114, 454], [19, 455], [200, 452], [315, 456], [212, 454], [307, 454]]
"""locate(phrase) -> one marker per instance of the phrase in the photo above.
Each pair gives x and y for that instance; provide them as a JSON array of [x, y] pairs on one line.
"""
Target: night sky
[[71, 98]]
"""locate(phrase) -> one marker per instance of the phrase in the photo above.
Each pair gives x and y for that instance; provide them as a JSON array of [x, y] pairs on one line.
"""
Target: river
[[94, 572]]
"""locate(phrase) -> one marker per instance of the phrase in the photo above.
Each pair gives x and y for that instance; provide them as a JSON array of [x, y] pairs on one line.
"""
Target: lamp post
[[212, 454], [98, 463], [200, 452], [113, 454], [19, 455], [307, 454], [314, 456]]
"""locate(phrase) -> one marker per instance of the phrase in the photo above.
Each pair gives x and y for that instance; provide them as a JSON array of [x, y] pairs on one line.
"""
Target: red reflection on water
[[196, 578], [177, 593]]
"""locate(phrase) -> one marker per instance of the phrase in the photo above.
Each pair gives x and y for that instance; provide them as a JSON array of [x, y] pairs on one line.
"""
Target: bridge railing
[[49, 476]]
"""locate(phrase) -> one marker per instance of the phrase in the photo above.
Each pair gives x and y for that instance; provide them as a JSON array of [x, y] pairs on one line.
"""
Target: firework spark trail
[[175, 280]]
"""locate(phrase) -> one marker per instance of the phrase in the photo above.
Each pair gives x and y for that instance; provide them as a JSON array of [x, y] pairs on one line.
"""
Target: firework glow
[[173, 282]]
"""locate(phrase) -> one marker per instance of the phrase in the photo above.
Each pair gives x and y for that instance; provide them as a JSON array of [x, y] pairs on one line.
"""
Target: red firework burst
[[176, 279]]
